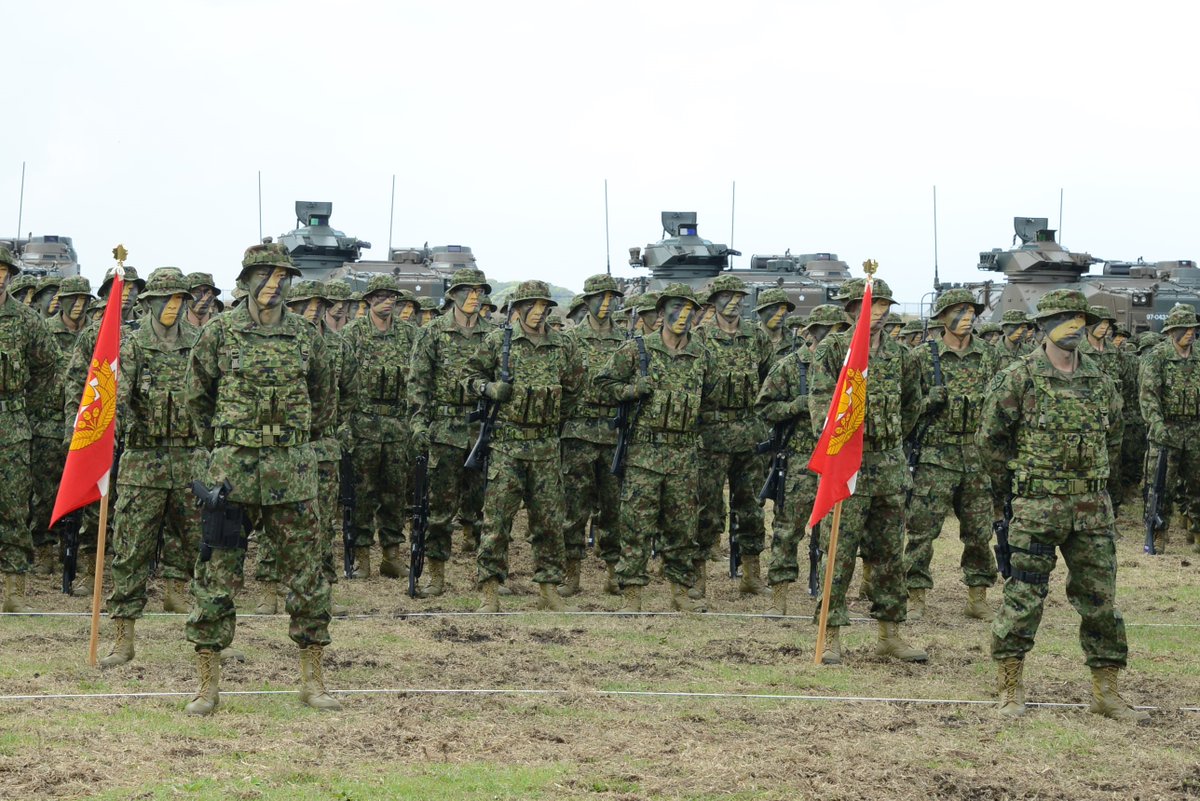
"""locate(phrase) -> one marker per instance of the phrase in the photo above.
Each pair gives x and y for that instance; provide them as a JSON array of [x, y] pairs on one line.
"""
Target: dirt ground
[[582, 743]]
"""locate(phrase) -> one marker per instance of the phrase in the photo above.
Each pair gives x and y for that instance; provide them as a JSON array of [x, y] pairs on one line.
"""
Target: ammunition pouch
[[14, 373], [672, 411], [533, 406], [1038, 487], [513, 433], [269, 436], [12, 405]]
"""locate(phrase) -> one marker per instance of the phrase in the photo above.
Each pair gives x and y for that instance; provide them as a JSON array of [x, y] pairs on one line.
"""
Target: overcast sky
[[146, 123]]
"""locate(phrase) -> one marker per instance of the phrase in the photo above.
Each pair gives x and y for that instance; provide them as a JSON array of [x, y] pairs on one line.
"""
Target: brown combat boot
[[337, 609], [44, 563], [1010, 681], [392, 565], [892, 644], [312, 681], [362, 562], [699, 590], [751, 583], [122, 649], [681, 602], [864, 586], [175, 597], [633, 599], [550, 601], [1108, 702], [14, 593], [832, 655], [916, 604], [208, 666], [977, 605], [610, 579], [435, 582], [470, 539], [570, 585], [85, 576], [491, 601], [779, 599], [268, 600]]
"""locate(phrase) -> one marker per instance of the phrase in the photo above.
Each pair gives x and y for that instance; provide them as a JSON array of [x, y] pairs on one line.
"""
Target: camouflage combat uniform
[[1117, 366], [781, 339]]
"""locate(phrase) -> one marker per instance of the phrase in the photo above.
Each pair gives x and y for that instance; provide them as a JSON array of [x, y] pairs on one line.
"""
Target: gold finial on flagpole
[[120, 254], [870, 266]]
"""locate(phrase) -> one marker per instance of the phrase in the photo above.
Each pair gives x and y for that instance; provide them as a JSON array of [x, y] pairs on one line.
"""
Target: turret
[[317, 248], [1039, 258]]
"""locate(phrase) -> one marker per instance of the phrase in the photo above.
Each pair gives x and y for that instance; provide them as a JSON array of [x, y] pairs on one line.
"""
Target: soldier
[[1017, 331], [157, 520], [429, 310], [487, 307], [538, 391], [644, 318], [337, 314], [205, 299], [45, 299], [577, 311], [22, 288], [259, 389], [783, 399], [991, 333], [95, 311], [1051, 427], [1120, 337], [1169, 393], [27, 386], [381, 344], [357, 308], [772, 310], [1117, 366], [892, 325], [911, 333], [588, 440], [661, 481], [729, 433], [873, 517], [949, 475], [440, 404]]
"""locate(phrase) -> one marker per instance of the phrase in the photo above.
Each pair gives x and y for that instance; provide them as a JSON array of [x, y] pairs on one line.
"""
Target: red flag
[[838, 455], [89, 462]]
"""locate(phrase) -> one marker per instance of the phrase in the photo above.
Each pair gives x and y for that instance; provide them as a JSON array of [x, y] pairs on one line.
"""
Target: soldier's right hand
[[420, 440], [499, 391], [937, 396], [1156, 432], [641, 388]]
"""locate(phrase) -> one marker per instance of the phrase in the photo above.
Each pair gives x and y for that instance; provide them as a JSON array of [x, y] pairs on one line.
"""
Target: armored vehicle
[[49, 255], [1139, 293], [682, 255]]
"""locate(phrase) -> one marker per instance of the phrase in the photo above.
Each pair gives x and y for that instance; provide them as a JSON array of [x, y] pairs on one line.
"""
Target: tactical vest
[[1181, 389], [884, 425], [537, 386], [595, 351], [159, 415], [737, 373], [674, 407], [450, 384], [1062, 443], [966, 380], [14, 370], [383, 369], [262, 400]]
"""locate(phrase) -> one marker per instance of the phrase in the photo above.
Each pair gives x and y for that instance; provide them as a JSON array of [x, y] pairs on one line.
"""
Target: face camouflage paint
[[76, 308], [535, 314], [128, 297], [601, 305], [1016, 335], [879, 313], [960, 319], [383, 304], [203, 301], [427, 316], [467, 299], [53, 306], [816, 333], [1100, 330], [407, 310], [360, 309], [269, 289], [1183, 337], [730, 304], [337, 311], [1065, 330], [679, 315], [5, 277], [168, 309], [772, 319]]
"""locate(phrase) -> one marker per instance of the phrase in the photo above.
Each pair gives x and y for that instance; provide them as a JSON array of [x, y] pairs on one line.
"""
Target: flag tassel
[[98, 583], [823, 620]]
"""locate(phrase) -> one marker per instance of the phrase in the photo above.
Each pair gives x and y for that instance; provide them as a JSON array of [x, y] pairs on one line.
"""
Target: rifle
[[1154, 501], [69, 527], [781, 438], [420, 523], [627, 414], [1002, 549], [349, 499], [814, 561], [735, 552], [918, 437], [486, 413]]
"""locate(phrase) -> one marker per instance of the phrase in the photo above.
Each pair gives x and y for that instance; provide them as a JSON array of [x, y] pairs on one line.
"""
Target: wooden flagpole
[[823, 620], [98, 581]]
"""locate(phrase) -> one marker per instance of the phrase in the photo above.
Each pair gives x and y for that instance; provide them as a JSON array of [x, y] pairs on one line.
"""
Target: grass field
[[583, 743]]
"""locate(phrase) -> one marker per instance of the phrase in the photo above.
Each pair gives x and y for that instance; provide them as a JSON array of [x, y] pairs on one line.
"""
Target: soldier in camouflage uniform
[[381, 348], [430, 310], [950, 476], [911, 333], [22, 288], [45, 299], [729, 432], [643, 318], [1097, 346], [577, 311], [545, 373], [588, 440], [660, 487], [1051, 427], [439, 402], [873, 517], [991, 333], [1169, 395], [1120, 337], [772, 310], [1017, 330], [783, 399], [338, 312], [156, 513], [205, 301], [27, 386], [487, 307], [892, 325], [260, 385]]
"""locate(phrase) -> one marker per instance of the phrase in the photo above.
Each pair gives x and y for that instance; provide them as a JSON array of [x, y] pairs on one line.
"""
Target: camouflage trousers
[[16, 542], [141, 514], [49, 456], [658, 512], [745, 473], [329, 513], [1183, 477], [937, 491], [1082, 528], [537, 482], [787, 529], [872, 525], [451, 487], [293, 532], [591, 491], [1133, 456], [381, 478]]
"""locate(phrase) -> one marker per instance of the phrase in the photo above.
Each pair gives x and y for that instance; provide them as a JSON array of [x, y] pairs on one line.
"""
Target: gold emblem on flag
[[852, 409], [98, 407]]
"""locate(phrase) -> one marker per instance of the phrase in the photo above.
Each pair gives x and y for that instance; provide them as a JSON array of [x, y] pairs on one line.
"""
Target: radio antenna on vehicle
[[391, 216], [936, 283], [607, 239], [260, 235], [20, 207]]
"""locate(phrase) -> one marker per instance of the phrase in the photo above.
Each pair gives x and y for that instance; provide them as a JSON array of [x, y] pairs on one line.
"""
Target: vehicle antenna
[[607, 240], [260, 236], [1060, 205], [936, 283], [20, 206], [732, 218], [391, 215]]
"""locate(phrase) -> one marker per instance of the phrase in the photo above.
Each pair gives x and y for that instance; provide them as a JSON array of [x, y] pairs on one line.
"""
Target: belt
[[384, 408], [12, 405], [665, 437], [591, 411], [267, 437], [1057, 486], [727, 415], [450, 410], [512, 433], [162, 442]]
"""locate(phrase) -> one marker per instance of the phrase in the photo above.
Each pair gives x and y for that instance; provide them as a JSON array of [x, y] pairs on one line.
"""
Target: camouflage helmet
[[724, 283], [578, 301], [892, 319], [826, 314], [428, 304], [239, 296], [990, 328], [487, 301], [770, 297], [75, 285], [165, 282], [531, 290], [469, 276], [305, 290], [1063, 301], [677, 290], [1014, 317], [130, 277], [9, 260], [953, 297], [1104, 313], [1122, 331], [1148, 339], [647, 301], [384, 282], [48, 282], [913, 327], [794, 321], [197, 280], [595, 284], [337, 290], [1181, 316], [22, 282], [855, 288], [268, 254]]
